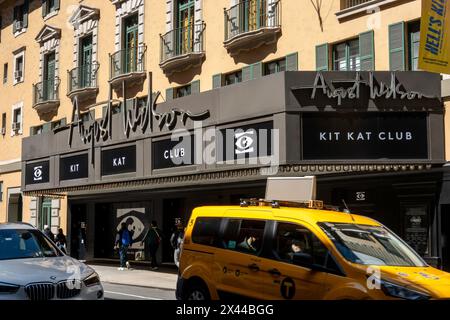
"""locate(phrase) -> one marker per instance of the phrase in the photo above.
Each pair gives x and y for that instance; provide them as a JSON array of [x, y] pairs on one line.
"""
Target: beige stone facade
[[299, 31]]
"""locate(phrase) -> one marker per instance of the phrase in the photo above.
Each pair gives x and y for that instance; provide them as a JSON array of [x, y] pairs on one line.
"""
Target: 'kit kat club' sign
[[119, 160], [75, 167], [337, 136]]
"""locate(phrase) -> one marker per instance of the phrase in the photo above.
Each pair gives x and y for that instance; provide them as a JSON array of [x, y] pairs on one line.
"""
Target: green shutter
[[56, 4], [366, 51], [397, 46], [15, 14], [217, 81], [169, 94], [322, 57], [46, 127], [292, 62], [246, 73], [44, 7], [92, 114], [195, 86], [26, 8], [256, 70]]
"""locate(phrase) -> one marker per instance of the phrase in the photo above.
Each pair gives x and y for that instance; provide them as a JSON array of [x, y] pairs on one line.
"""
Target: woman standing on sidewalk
[[152, 240]]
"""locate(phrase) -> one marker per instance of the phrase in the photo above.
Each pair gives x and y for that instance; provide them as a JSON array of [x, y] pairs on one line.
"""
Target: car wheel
[[197, 291]]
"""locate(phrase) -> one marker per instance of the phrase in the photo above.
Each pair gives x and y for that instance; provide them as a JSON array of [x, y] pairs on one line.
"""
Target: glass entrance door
[[45, 214], [185, 26], [131, 44]]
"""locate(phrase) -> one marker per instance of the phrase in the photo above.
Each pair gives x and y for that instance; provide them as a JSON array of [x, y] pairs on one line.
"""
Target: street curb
[[137, 285]]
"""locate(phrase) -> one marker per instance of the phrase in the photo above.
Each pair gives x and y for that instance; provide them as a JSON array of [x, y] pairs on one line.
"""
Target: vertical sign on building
[[434, 53]]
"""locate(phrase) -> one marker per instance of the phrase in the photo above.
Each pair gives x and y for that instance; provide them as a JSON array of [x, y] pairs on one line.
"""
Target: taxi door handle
[[254, 267], [275, 272]]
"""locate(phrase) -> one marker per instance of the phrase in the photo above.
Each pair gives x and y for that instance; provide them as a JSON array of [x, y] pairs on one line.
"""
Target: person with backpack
[[176, 240], [152, 241], [123, 242]]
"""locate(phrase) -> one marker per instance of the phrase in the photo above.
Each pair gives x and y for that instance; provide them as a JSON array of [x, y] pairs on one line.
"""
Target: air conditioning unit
[[16, 126], [3, 131], [19, 25], [18, 75]]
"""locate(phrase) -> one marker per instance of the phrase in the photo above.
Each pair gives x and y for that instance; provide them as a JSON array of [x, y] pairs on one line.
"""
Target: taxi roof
[[312, 216]]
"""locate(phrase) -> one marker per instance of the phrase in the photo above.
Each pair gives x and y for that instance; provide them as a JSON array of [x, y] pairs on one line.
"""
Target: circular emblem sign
[[287, 288]]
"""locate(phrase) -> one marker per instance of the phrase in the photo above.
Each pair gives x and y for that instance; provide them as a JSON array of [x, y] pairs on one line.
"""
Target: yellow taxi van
[[276, 250]]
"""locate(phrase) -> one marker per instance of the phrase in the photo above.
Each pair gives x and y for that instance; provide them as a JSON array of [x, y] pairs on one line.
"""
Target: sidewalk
[[164, 278]]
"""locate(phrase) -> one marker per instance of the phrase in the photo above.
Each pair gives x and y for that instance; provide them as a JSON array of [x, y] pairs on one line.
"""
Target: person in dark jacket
[[61, 240], [152, 240]]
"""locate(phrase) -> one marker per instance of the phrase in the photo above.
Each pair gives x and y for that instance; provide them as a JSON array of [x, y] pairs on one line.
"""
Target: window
[[3, 123], [49, 6], [183, 91], [233, 77], [20, 18], [346, 56], [244, 235], [274, 66], [36, 130], [17, 121], [292, 240], [5, 73], [19, 67], [413, 45], [206, 231], [1, 191]]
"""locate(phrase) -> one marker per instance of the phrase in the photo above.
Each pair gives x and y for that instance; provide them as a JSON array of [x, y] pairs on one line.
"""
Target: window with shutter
[[366, 51], [346, 56], [322, 57], [257, 70], [233, 77], [247, 73], [397, 46], [275, 66]]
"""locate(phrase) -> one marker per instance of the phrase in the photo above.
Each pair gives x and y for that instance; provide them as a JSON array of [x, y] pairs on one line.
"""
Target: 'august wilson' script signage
[[137, 117], [353, 88]]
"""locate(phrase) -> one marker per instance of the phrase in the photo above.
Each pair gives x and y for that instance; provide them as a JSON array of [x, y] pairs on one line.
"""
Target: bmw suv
[[33, 268]]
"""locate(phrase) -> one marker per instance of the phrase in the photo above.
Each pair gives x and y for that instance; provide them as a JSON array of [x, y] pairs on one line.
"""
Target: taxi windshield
[[371, 245]]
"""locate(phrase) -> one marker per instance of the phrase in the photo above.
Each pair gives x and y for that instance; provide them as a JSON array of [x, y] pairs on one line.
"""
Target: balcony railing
[[82, 77], [126, 61], [46, 91], [251, 15], [182, 41], [345, 4]]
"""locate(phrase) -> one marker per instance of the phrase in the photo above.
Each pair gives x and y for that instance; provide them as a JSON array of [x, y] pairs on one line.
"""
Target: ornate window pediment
[[84, 13], [48, 32]]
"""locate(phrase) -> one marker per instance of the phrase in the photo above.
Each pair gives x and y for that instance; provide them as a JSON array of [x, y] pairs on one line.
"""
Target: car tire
[[197, 291]]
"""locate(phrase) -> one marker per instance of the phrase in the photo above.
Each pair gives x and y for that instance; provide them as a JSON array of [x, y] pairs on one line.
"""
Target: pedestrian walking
[[61, 241], [152, 241], [123, 242], [176, 240]]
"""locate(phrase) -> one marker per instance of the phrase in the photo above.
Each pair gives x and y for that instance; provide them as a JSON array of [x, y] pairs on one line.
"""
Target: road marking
[[132, 295]]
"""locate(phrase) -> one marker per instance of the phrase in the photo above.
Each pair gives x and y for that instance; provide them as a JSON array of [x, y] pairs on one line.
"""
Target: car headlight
[[398, 291], [8, 288], [92, 280]]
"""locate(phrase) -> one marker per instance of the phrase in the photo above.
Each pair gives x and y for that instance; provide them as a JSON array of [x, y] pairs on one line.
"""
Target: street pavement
[[126, 292], [138, 283]]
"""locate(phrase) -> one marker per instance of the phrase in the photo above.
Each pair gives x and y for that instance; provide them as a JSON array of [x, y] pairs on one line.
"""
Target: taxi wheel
[[197, 291]]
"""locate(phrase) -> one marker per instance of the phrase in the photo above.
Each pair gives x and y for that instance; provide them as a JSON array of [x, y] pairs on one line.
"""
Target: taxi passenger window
[[206, 231], [244, 235], [292, 239]]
